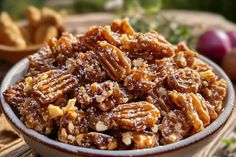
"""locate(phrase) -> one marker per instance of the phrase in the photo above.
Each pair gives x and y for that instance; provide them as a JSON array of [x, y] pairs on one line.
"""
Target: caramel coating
[[136, 116], [116, 89]]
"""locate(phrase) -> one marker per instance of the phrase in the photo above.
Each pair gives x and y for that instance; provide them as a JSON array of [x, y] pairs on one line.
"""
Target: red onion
[[232, 37], [214, 44]]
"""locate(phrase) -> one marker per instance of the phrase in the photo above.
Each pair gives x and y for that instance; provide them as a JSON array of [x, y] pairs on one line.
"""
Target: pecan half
[[64, 45], [185, 80], [15, 95], [149, 46], [48, 86], [113, 60], [194, 109], [136, 116], [41, 61]]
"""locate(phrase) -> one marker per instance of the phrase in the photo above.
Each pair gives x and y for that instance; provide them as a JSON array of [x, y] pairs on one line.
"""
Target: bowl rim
[[76, 150]]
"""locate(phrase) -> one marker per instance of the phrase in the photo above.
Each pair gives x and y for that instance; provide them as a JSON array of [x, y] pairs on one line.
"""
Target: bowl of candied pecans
[[116, 92]]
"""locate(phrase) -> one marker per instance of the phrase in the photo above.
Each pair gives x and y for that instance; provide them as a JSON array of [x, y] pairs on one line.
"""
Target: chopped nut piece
[[29, 84], [100, 126], [54, 111], [127, 138], [105, 95], [144, 140], [70, 105], [72, 123], [140, 140], [154, 128]]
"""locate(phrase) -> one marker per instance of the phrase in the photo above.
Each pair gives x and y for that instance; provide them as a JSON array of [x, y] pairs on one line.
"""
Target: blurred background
[[223, 7]]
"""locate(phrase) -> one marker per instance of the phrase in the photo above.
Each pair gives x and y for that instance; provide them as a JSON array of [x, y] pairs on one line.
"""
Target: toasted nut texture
[[136, 116], [112, 88]]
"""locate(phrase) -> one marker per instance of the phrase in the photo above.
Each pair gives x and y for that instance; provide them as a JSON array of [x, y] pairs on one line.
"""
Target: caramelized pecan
[[48, 86], [122, 27], [136, 116], [113, 60], [194, 109], [185, 80]]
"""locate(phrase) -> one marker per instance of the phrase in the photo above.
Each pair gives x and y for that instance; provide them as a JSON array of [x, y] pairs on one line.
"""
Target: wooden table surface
[[11, 145]]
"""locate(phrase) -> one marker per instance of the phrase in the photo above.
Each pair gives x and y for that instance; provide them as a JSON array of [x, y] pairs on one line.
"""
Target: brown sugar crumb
[[104, 95], [72, 123], [96, 140], [98, 120], [36, 116], [139, 140], [175, 125], [112, 88], [86, 68]]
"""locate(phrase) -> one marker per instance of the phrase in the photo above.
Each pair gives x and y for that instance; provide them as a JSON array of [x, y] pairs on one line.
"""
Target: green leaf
[[151, 6]]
